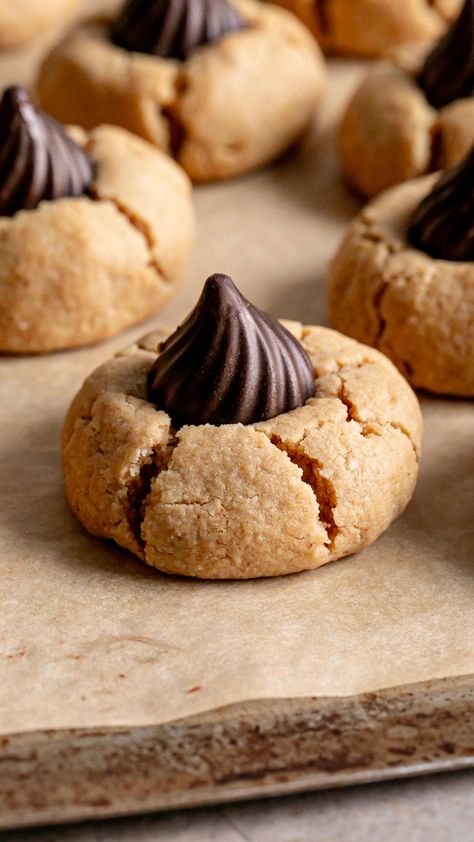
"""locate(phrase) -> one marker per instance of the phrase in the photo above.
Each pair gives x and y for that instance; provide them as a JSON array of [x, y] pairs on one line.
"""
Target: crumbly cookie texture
[[289, 494], [232, 106], [371, 27], [75, 271], [390, 133], [24, 20], [417, 310]]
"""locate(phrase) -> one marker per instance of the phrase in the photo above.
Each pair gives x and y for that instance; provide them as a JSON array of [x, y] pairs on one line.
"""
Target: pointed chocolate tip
[[448, 71], [38, 160], [173, 28], [229, 363], [220, 290], [15, 96], [443, 223], [219, 285]]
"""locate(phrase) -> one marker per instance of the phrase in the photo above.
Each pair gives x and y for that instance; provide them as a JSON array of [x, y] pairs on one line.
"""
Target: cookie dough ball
[[417, 309], [371, 27], [24, 20], [231, 105], [76, 270], [242, 500], [414, 115]]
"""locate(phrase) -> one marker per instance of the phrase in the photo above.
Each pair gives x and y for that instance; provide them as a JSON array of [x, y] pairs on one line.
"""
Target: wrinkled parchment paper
[[89, 636]]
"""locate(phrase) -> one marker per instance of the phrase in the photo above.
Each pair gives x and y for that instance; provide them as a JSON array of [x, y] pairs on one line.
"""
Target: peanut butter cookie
[[413, 115], [94, 230], [246, 448], [24, 20], [222, 88], [371, 27], [403, 279]]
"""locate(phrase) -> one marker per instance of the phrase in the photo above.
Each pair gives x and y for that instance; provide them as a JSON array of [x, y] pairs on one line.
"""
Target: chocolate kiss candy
[[448, 71], [38, 160], [173, 28], [229, 363], [443, 223]]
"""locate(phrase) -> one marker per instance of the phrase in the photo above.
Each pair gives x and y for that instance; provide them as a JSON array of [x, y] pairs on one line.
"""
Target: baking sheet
[[89, 636]]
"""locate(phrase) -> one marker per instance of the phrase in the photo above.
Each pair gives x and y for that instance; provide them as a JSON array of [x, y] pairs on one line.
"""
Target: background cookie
[[371, 27], [242, 501], [414, 115], [76, 270], [417, 309], [23, 20], [231, 106]]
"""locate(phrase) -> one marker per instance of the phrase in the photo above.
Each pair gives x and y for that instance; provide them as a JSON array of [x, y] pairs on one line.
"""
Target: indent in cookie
[[229, 363], [443, 223], [448, 70], [173, 28], [38, 160]]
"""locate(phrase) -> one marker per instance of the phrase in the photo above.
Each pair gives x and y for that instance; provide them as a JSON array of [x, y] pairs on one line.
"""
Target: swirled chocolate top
[[173, 28], [443, 223], [448, 71], [38, 160], [229, 363]]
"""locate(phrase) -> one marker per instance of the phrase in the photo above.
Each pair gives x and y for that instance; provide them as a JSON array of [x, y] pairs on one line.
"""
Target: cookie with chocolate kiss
[[371, 27], [238, 446], [403, 279], [413, 114], [95, 228], [191, 77]]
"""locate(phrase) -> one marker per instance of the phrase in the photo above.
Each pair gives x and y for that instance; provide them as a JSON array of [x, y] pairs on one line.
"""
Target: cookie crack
[[371, 235], [150, 466], [397, 425], [321, 11], [321, 486], [139, 225], [177, 130], [351, 410], [368, 429], [377, 303]]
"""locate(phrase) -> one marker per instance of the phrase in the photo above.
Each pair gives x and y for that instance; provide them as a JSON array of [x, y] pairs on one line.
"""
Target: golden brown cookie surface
[[77, 270], [288, 494], [390, 133], [259, 87], [23, 20], [371, 27], [417, 310]]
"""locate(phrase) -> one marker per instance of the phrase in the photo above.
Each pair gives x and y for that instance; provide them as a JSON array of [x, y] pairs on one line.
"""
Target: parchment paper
[[91, 637]]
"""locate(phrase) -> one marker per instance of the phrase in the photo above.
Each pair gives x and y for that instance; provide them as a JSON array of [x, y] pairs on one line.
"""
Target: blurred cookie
[[222, 88], [94, 230], [371, 27], [23, 20], [413, 116], [403, 279]]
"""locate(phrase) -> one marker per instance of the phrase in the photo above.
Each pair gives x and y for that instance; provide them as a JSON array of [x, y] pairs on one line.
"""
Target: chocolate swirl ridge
[[173, 28], [443, 223], [38, 160], [448, 70], [229, 363]]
